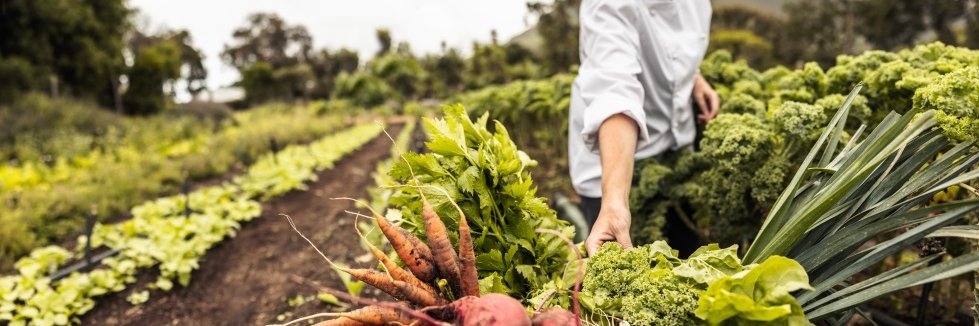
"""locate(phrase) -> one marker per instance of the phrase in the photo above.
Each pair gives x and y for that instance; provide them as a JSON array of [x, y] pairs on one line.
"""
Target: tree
[[558, 26], [191, 59], [890, 24], [445, 71], [153, 66], [74, 46], [326, 65], [817, 31], [972, 26], [487, 65], [748, 33], [295, 82], [17, 76], [941, 14], [258, 81], [346, 60], [267, 38], [363, 89], [402, 72], [743, 44], [384, 39]]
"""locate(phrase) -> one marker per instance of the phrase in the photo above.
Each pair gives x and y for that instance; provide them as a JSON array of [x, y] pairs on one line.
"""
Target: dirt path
[[244, 281]]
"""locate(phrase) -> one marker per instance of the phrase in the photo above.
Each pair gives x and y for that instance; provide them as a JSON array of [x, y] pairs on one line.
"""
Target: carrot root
[[396, 272], [342, 321], [412, 251], [446, 259], [422, 317], [467, 260]]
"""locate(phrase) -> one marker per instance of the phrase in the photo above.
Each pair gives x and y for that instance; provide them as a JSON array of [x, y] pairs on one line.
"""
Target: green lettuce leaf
[[710, 263], [759, 294]]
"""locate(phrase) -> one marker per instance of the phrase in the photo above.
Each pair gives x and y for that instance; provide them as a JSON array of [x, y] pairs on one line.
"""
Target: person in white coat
[[632, 100]]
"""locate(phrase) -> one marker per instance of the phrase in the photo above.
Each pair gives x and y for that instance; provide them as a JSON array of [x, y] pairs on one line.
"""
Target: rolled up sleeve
[[608, 77]]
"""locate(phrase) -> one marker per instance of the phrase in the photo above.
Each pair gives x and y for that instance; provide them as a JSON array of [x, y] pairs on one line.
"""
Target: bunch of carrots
[[419, 302]]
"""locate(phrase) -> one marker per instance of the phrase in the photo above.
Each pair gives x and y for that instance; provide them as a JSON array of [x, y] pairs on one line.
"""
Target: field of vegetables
[[816, 196]]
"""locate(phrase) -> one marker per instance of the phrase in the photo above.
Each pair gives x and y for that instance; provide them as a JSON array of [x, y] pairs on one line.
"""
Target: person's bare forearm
[[617, 139]]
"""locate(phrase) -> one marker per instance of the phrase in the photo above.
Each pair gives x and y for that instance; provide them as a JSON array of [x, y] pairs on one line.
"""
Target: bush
[[205, 110], [36, 127], [17, 76], [363, 89]]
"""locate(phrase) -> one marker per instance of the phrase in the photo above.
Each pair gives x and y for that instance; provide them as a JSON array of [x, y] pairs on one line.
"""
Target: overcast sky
[[335, 24]]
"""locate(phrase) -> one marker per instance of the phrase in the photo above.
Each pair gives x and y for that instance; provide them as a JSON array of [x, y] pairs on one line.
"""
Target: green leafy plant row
[[40, 204], [769, 120], [161, 235]]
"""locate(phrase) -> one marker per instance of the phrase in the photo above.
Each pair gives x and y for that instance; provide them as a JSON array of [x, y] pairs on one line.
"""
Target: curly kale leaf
[[639, 286], [734, 140], [799, 121], [741, 102], [859, 110], [956, 98]]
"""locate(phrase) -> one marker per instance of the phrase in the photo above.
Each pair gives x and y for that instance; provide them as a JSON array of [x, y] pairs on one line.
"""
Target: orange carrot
[[372, 315], [446, 259], [342, 321], [377, 279], [417, 295], [399, 290], [469, 278], [396, 272], [467, 259], [412, 251]]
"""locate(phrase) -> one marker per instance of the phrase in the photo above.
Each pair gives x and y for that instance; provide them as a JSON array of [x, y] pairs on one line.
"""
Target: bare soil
[[245, 280]]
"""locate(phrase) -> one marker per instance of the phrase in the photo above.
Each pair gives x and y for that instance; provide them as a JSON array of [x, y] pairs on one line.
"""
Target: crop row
[[171, 234], [40, 204]]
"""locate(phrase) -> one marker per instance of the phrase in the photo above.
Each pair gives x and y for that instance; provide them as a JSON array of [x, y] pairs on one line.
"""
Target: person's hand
[[612, 225], [707, 99]]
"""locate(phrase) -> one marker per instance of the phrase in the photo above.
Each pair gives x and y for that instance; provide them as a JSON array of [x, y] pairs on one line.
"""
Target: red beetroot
[[554, 317], [493, 309]]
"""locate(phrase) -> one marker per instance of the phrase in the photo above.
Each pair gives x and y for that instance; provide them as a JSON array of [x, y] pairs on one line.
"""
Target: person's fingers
[[625, 240], [701, 102], [592, 244], [715, 104]]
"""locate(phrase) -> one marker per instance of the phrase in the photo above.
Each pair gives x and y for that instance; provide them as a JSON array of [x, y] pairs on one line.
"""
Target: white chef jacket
[[638, 58]]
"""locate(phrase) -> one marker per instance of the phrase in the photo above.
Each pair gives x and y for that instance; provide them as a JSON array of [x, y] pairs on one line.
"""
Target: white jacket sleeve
[[608, 76]]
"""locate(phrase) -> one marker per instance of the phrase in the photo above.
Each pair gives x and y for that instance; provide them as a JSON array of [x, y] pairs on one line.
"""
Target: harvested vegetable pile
[[650, 285], [421, 299], [438, 284]]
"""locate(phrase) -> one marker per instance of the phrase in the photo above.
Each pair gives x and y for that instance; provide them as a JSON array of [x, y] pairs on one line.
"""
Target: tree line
[[92, 50], [277, 63], [804, 30]]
